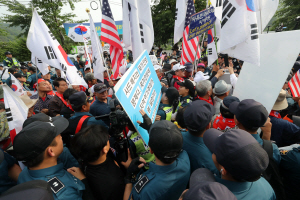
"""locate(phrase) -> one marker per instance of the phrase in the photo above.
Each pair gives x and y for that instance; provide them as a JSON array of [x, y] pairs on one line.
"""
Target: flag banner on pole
[[16, 111], [218, 5], [212, 55], [248, 51], [109, 34], [138, 33], [16, 86], [97, 53], [43, 44], [180, 14], [43, 67], [201, 22], [268, 10], [87, 54], [5, 74], [140, 89], [189, 47], [235, 26]]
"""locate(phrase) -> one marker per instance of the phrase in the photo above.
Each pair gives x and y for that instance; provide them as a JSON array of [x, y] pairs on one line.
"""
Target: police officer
[[169, 103], [9, 61], [40, 152], [24, 71], [31, 80], [186, 92], [241, 161], [290, 165], [169, 177]]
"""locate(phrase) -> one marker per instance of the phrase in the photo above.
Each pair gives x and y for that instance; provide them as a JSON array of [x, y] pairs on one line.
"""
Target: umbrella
[[77, 33]]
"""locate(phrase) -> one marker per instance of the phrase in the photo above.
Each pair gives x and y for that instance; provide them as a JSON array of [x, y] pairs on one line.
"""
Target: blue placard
[[119, 26], [201, 22], [140, 88]]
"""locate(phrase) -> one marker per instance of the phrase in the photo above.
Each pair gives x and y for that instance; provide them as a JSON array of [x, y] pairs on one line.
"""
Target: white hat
[[281, 102], [178, 67], [172, 61], [92, 89], [200, 76], [156, 67]]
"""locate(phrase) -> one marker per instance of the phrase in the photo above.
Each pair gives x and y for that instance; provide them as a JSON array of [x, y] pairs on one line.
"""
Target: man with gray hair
[[90, 79], [204, 91]]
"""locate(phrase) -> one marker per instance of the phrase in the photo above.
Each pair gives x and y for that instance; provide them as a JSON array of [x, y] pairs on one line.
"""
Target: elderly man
[[158, 71], [179, 74], [204, 91], [188, 73], [90, 79], [172, 63], [221, 90], [44, 99]]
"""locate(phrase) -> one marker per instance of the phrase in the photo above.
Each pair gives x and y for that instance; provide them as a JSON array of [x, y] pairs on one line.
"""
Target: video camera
[[169, 76], [118, 121]]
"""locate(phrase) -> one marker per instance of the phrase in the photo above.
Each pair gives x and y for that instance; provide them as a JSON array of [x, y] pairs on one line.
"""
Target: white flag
[[218, 5], [97, 51], [43, 67], [138, 33], [16, 86], [16, 111], [180, 15], [235, 25], [212, 55], [87, 54], [268, 9], [5, 74], [42, 43], [248, 51]]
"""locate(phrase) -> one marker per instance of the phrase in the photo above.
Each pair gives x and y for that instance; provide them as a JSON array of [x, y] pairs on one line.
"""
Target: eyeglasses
[[100, 88], [182, 70]]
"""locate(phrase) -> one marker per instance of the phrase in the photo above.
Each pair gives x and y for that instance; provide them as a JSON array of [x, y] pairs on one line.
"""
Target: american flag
[[189, 47], [294, 84], [109, 34]]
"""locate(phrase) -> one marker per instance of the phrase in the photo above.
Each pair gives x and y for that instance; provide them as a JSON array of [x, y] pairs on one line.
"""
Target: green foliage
[[49, 10], [18, 49], [287, 13], [9, 33], [163, 17]]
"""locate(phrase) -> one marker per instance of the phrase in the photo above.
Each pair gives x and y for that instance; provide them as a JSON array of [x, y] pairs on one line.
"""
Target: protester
[[67, 110], [240, 160], [197, 119], [169, 176], [188, 71], [77, 61], [221, 90], [57, 75], [172, 63], [158, 71], [4, 129], [204, 91], [91, 145], [284, 133], [101, 105], [90, 79], [57, 102], [178, 77], [205, 62], [44, 99], [9, 61], [200, 67], [225, 121]]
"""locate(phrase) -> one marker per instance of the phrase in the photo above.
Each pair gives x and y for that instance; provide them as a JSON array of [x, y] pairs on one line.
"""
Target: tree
[[287, 13], [49, 10], [163, 17], [18, 49]]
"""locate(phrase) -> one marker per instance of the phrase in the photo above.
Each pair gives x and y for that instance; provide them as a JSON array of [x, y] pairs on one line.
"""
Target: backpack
[[272, 173]]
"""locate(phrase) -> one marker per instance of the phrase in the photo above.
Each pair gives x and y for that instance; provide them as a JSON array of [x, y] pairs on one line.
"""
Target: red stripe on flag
[[13, 134]]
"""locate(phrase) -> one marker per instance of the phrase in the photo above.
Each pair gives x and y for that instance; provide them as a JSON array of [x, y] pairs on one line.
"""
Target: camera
[[169, 76], [118, 121]]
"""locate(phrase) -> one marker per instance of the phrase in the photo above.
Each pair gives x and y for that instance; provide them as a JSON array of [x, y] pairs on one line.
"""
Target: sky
[[115, 5]]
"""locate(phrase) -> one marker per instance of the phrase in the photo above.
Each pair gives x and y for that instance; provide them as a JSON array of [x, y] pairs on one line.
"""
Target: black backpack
[[272, 173]]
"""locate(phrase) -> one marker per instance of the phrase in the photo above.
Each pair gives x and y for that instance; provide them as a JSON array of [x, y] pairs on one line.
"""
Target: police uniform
[[184, 101], [290, 165], [27, 74], [62, 183], [163, 182], [6, 162], [142, 149], [165, 111], [31, 80], [10, 62]]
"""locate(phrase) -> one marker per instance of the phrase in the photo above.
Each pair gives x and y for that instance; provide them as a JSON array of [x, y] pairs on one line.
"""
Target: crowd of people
[[205, 143]]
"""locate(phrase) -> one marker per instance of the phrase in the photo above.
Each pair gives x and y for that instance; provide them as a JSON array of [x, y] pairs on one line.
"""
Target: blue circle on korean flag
[[251, 5], [209, 38], [80, 30]]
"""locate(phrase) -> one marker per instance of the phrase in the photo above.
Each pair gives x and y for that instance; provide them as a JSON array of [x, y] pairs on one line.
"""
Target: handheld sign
[[201, 22], [140, 88]]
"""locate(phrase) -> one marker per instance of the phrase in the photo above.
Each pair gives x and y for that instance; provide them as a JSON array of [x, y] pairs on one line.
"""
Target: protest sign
[[153, 59], [201, 22], [264, 83], [139, 89]]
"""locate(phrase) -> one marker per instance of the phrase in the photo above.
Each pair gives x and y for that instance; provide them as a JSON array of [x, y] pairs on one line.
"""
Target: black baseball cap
[[221, 55], [7, 53], [238, 152], [23, 67], [33, 139], [250, 113], [188, 67], [204, 59], [187, 84], [19, 75], [296, 66], [32, 69], [100, 87], [203, 186], [228, 100], [165, 139], [167, 67], [198, 115], [42, 118], [172, 94], [78, 99]]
